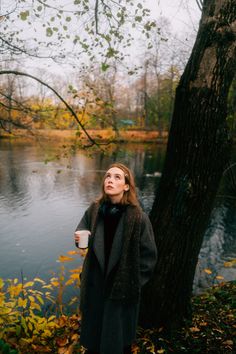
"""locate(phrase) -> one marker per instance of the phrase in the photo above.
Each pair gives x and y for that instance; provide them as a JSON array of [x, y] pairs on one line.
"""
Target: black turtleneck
[[111, 214]]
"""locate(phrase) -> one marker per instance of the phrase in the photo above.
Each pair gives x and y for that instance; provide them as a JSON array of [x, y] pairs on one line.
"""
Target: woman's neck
[[114, 200]]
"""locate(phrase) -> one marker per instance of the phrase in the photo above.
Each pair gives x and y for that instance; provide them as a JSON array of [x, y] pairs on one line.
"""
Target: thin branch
[[24, 51], [96, 16], [199, 4], [15, 123], [21, 107], [7, 13], [56, 8]]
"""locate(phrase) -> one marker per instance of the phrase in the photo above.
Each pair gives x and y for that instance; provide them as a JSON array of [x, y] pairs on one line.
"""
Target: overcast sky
[[183, 15]]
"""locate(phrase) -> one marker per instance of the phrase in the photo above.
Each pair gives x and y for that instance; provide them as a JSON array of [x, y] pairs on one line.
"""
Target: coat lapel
[[98, 244], [116, 246]]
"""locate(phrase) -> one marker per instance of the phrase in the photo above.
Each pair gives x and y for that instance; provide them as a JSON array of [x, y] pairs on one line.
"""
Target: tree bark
[[197, 152]]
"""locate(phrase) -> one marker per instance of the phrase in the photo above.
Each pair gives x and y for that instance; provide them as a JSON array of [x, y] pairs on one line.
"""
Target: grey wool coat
[[109, 322]]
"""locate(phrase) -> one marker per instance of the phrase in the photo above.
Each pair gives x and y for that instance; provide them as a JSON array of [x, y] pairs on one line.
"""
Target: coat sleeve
[[85, 223], [148, 250]]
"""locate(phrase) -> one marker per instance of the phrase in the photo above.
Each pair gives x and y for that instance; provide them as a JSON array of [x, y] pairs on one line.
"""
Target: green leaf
[[138, 18], [49, 32], [24, 15], [104, 66]]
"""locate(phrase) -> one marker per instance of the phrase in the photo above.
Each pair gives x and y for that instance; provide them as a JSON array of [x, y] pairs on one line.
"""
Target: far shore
[[99, 135]]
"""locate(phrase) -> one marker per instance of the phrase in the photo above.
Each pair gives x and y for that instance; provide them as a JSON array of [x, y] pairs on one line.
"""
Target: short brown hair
[[130, 196]]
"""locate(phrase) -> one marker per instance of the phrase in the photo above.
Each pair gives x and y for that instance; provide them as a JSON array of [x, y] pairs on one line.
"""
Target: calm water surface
[[41, 204]]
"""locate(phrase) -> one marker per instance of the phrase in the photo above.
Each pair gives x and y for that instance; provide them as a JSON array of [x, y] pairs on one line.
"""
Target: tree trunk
[[197, 152]]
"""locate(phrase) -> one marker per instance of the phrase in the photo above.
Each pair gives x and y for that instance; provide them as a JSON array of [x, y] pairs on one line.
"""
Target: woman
[[120, 259]]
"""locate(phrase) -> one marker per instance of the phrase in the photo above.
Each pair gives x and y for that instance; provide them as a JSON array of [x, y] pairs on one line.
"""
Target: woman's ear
[[127, 188]]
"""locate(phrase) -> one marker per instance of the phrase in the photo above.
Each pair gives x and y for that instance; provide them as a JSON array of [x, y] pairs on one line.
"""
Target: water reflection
[[40, 205]]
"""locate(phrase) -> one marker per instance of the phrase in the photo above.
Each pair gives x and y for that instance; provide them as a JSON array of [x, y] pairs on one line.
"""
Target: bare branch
[[55, 8], [96, 16], [199, 4], [7, 13], [15, 123], [24, 51]]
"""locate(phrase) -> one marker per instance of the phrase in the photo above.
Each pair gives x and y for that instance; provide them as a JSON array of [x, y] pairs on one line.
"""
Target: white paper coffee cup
[[83, 238]]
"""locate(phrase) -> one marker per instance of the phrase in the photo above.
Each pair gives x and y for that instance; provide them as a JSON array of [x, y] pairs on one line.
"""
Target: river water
[[42, 199]]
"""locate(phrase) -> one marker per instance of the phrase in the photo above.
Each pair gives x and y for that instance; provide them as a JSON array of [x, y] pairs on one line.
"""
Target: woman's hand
[[77, 238]]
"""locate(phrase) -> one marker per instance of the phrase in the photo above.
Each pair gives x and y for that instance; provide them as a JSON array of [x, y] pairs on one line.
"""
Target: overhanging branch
[[70, 109]]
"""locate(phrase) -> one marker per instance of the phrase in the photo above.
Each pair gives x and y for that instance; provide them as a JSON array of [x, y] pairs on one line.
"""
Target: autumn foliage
[[35, 318]]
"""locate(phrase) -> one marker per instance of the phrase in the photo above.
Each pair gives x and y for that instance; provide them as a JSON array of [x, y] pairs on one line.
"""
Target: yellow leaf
[[47, 286], [230, 264], [208, 271], [219, 277], [26, 340], [15, 290], [15, 281], [32, 299], [39, 280], [51, 318], [36, 306], [69, 282], [29, 283], [40, 299], [161, 351], [5, 311], [22, 302], [55, 283], [1, 283], [65, 259], [46, 333]]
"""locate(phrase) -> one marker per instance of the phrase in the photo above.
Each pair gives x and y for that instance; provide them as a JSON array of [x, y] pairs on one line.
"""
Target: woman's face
[[114, 184]]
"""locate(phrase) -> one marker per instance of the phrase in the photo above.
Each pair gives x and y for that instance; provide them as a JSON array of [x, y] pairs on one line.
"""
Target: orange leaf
[[203, 324], [62, 342], [208, 271], [62, 321], [65, 259], [77, 270], [194, 329], [75, 337], [75, 276], [72, 252]]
